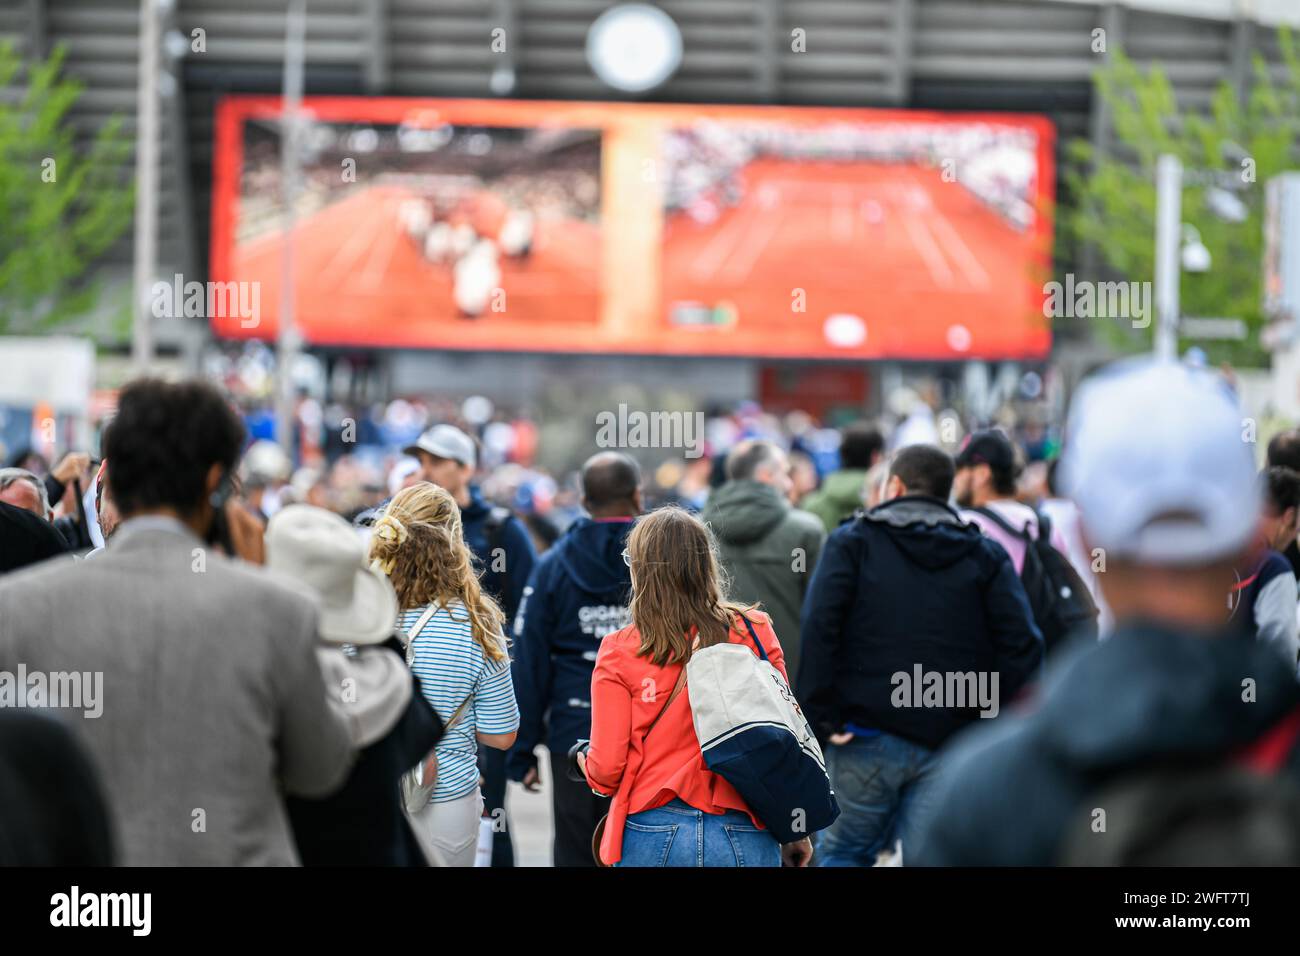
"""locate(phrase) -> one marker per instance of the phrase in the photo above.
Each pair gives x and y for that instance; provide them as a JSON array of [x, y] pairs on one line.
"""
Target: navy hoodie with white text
[[578, 593]]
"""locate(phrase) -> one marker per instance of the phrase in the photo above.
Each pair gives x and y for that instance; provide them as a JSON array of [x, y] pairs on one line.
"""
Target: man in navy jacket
[[499, 540], [577, 594], [915, 625]]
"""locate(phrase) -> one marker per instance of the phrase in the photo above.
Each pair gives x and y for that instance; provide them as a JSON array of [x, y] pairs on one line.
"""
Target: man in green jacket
[[768, 548], [861, 446]]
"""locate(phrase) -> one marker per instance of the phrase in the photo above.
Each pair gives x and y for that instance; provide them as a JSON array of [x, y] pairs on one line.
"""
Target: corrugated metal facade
[[989, 54]]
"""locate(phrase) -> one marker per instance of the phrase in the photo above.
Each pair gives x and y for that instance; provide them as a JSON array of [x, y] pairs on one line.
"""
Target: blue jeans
[[876, 780], [677, 834]]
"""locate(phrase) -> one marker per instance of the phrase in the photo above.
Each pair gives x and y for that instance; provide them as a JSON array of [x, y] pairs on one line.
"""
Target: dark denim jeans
[[492, 765], [677, 834], [877, 780]]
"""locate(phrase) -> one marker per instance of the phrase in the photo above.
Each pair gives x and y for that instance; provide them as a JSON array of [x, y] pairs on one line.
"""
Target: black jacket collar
[[914, 509]]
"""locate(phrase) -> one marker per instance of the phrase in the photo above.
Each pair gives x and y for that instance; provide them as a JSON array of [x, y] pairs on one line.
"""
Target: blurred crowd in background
[[348, 458]]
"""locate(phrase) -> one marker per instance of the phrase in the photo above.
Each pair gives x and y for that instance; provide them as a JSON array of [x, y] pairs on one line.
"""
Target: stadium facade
[[1033, 56]]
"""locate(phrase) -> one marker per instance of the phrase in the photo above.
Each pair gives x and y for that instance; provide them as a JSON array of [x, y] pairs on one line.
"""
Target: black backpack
[[1240, 810], [1058, 596]]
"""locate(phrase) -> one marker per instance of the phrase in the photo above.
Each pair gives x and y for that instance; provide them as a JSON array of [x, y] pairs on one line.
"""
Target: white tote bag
[[753, 734]]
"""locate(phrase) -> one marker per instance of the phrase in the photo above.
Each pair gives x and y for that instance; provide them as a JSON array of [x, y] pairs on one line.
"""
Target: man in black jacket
[[915, 625], [578, 593], [1167, 491]]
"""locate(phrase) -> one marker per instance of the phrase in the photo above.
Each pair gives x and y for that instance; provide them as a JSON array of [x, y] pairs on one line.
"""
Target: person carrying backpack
[[457, 648], [1167, 490], [669, 807], [503, 556], [984, 488]]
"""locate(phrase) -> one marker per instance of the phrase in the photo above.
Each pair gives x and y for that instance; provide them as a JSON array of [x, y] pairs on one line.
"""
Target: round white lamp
[[634, 47]]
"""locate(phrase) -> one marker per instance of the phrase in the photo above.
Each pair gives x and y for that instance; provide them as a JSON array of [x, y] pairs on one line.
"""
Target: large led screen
[[639, 228]]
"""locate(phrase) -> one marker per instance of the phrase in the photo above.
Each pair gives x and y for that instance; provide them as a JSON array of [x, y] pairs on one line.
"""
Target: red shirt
[[627, 694]]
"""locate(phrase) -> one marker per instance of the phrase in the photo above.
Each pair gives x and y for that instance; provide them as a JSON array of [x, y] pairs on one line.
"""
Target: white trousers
[[448, 831]]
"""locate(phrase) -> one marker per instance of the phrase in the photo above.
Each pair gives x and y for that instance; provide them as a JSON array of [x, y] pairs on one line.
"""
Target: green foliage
[[62, 203], [1115, 197]]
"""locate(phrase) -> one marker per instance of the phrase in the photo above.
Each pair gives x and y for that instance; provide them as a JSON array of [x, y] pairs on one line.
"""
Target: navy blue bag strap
[[752, 633]]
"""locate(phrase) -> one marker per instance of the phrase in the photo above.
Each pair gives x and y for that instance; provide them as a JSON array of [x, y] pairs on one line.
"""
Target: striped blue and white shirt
[[452, 667]]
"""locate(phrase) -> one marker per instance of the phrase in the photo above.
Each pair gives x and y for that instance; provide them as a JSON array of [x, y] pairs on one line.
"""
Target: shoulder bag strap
[[1044, 527], [414, 632], [458, 713], [1004, 524], [677, 689], [754, 635], [410, 636], [681, 678]]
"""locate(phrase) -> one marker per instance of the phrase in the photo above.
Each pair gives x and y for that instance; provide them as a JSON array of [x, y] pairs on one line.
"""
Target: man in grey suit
[[191, 677]]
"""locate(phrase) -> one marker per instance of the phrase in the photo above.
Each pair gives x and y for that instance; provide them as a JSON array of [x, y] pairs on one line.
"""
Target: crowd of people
[[1092, 661]]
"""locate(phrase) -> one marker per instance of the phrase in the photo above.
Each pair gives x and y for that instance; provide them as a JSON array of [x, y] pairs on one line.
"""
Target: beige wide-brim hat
[[320, 550]]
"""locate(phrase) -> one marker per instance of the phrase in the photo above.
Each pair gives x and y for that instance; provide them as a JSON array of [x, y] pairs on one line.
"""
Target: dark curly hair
[[164, 440]]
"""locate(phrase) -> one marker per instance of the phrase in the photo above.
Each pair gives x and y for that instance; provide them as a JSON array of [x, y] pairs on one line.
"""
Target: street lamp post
[[290, 175], [146, 190], [1169, 214]]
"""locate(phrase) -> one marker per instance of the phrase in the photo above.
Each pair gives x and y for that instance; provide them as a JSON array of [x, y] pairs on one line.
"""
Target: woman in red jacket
[[668, 808]]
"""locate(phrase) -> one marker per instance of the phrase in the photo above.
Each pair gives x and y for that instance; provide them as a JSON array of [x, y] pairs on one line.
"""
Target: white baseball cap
[[319, 549], [445, 441], [405, 468], [1157, 462]]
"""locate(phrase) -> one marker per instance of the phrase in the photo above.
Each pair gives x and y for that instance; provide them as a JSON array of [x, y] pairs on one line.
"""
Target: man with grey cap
[[500, 542], [1168, 498], [498, 539]]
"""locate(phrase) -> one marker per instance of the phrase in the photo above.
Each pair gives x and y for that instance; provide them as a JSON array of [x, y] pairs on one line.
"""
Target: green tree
[[1245, 141], [62, 204]]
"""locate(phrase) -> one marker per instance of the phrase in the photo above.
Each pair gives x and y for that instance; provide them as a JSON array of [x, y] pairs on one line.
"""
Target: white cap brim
[[369, 618]]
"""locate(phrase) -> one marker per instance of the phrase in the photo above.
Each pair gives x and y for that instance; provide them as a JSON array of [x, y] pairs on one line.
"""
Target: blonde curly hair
[[420, 545]]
